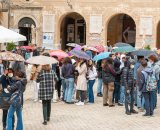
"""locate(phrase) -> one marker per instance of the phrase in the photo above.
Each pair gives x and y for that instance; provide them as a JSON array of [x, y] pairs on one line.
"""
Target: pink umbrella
[[27, 47], [59, 53], [100, 48]]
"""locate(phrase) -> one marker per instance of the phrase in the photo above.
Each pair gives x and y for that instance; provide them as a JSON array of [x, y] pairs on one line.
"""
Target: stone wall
[[107, 8]]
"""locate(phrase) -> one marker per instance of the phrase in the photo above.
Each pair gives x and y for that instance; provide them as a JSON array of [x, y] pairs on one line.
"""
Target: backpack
[[150, 81]]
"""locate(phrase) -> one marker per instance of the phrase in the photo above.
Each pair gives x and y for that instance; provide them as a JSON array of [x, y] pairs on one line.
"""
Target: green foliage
[[147, 47], [10, 46]]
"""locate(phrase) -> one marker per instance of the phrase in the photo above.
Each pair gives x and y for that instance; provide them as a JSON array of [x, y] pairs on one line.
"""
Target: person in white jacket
[[91, 76]]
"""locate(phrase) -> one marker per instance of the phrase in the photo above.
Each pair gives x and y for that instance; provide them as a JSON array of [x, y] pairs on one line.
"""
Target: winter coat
[[68, 71], [108, 74], [142, 85], [46, 86], [81, 80], [19, 85], [138, 75], [127, 79]]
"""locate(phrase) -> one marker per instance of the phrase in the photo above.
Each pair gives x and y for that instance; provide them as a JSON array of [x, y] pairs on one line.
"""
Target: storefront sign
[[48, 40]]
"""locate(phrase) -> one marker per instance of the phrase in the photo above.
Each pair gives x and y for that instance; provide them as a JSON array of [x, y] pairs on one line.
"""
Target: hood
[[148, 70], [24, 81]]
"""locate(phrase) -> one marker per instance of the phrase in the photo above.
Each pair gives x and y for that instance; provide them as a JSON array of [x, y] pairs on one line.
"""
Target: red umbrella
[[100, 48], [59, 53], [27, 47]]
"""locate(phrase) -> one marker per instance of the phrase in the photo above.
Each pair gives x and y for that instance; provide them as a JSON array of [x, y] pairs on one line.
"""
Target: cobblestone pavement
[[88, 117]]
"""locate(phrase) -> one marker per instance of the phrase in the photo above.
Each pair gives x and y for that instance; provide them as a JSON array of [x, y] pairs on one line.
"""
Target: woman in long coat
[[82, 81], [46, 79]]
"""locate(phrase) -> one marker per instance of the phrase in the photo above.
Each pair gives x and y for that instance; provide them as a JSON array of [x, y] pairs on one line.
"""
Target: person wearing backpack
[[147, 86], [16, 100], [154, 63]]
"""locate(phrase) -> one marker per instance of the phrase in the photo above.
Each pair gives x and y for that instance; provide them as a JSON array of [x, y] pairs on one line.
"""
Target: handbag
[[5, 100]]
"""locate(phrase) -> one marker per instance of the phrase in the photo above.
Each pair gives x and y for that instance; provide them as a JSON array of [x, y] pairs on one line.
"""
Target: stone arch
[[27, 27], [158, 35], [61, 21], [120, 37]]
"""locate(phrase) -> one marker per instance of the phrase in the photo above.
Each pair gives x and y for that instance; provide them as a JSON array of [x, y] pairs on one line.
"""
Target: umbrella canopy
[[41, 60], [143, 52], [101, 56], [124, 49], [9, 56], [100, 48], [73, 45], [80, 54], [59, 53], [27, 47], [7, 36], [121, 44]]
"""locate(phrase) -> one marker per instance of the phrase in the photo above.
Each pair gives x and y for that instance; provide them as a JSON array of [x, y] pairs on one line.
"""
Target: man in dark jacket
[[127, 81], [35, 51]]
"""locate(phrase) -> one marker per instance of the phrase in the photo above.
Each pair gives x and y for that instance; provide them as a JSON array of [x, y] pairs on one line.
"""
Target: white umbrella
[[41, 60], [7, 35]]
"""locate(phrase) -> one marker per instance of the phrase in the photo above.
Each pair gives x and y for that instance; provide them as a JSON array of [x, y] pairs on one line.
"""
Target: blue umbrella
[[80, 54], [101, 56], [121, 44], [124, 49]]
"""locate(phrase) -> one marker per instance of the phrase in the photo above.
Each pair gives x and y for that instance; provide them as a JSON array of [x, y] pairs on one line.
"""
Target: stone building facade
[[104, 21]]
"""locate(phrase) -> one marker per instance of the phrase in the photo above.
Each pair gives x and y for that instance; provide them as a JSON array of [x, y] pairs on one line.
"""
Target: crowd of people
[[123, 80]]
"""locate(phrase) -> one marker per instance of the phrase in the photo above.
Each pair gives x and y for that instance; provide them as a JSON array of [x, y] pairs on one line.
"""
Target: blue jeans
[[10, 118], [158, 86], [90, 90], [154, 98], [99, 87], [122, 95], [140, 99], [64, 88], [149, 105], [69, 83], [129, 100], [116, 92]]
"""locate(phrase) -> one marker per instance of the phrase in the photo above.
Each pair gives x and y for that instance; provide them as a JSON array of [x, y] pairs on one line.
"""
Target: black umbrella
[[143, 52]]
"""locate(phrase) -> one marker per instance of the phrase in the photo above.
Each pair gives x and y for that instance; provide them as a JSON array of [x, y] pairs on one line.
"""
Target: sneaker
[[99, 95], [128, 113], [44, 123], [146, 114], [112, 105], [119, 104], [80, 103], [105, 104], [134, 112]]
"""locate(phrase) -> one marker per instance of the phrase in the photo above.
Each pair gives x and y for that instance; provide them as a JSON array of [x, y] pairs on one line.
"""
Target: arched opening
[[121, 28], [27, 28], [158, 36], [73, 30]]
